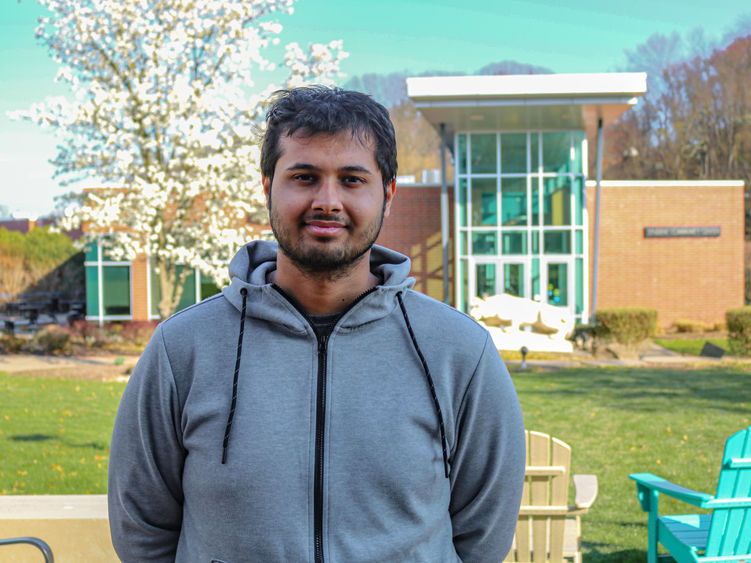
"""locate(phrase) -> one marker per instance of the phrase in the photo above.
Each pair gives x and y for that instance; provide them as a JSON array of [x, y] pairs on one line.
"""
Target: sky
[[381, 37]]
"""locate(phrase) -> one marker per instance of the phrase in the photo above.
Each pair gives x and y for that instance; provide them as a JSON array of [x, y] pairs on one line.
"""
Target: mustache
[[325, 217]]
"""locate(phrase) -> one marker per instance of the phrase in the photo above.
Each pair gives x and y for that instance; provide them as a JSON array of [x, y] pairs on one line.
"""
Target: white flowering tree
[[164, 108]]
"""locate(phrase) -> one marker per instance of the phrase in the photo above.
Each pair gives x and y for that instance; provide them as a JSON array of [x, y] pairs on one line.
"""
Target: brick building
[[691, 270], [526, 208], [414, 228], [674, 246]]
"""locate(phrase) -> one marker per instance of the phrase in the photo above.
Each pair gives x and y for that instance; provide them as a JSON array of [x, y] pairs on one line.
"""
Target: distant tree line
[[693, 123]]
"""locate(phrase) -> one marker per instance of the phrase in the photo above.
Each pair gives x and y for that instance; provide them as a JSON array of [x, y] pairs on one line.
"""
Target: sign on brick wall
[[681, 232]]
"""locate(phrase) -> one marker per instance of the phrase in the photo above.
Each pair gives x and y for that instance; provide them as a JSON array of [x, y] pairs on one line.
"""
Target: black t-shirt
[[324, 324]]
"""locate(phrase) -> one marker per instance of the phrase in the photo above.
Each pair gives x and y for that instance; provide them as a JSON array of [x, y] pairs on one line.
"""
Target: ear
[[390, 191], [266, 189]]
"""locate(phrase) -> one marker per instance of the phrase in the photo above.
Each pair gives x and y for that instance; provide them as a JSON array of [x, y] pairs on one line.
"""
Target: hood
[[250, 267], [253, 296]]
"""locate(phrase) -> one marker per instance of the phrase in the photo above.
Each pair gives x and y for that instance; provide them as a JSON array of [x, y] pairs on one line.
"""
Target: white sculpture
[[514, 322]]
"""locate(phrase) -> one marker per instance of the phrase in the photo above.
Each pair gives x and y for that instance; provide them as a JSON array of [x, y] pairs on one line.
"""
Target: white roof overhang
[[526, 102]]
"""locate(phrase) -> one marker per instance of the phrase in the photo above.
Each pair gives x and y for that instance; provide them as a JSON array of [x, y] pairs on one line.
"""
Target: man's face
[[327, 201]]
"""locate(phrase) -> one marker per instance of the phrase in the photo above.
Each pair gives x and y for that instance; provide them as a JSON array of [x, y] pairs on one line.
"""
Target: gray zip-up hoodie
[[321, 449]]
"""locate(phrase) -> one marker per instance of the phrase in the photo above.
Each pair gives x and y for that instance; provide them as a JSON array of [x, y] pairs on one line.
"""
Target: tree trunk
[[171, 285]]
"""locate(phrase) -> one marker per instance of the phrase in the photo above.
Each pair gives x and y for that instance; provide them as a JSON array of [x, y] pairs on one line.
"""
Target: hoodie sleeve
[[146, 461], [487, 469]]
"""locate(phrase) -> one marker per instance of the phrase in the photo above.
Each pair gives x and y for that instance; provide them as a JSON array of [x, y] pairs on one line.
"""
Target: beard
[[332, 259]]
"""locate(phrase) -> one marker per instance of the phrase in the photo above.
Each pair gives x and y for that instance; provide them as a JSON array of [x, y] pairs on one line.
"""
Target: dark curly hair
[[319, 109]]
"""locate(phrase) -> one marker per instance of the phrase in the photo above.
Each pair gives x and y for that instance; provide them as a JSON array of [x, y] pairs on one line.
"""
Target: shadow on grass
[[30, 437], [637, 388], [592, 555], [600, 552], [45, 437], [92, 445]]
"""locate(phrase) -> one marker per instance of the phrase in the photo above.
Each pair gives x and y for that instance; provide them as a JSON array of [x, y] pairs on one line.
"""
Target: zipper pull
[[322, 343]]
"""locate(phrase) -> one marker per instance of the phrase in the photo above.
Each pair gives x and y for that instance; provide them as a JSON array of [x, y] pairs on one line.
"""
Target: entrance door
[[489, 277], [515, 278], [483, 279], [558, 281]]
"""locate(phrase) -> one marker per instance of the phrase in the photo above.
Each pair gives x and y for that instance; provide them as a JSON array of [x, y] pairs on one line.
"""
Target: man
[[318, 409]]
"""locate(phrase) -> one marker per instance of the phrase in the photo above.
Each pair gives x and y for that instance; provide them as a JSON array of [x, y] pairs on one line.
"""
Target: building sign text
[[681, 232]]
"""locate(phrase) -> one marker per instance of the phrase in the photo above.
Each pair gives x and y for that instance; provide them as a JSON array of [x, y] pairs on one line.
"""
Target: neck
[[324, 293]]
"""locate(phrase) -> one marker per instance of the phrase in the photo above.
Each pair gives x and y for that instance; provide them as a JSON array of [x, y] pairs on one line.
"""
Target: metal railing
[[36, 542]]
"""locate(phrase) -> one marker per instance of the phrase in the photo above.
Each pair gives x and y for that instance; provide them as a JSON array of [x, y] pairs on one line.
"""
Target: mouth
[[323, 228]]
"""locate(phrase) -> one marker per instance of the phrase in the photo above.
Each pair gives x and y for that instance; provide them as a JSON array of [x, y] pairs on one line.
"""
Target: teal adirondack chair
[[722, 535]]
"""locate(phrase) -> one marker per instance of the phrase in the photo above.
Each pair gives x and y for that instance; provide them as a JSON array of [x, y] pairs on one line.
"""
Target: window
[[484, 203], [108, 288], [483, 154], [514, 201], [485, 243], [513, 153], [556, 152], [557, 242], [557, 201], [558, 284], [190, 295], [116, 290], [513, 279], [515, 242], [485, 280], [462, 154]]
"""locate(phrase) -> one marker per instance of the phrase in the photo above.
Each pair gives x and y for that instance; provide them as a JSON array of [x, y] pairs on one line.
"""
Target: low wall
[[75, 527]]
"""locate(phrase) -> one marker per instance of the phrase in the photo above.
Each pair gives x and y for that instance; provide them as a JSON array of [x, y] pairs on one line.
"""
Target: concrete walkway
[[652, 356], [15, 363]]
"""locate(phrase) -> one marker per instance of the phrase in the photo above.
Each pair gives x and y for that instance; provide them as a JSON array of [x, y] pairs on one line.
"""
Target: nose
[[326, 198]]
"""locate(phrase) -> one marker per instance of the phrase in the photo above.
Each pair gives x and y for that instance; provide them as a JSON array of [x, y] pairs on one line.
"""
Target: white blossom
[[163, 107]]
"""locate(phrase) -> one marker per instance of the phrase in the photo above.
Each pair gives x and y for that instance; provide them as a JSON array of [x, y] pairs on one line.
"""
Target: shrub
[[127, 336], [81, 330], [687, 325], [626, 325], [91, 335], [137, 333], [51, 339], [11, 344], [739, 330]]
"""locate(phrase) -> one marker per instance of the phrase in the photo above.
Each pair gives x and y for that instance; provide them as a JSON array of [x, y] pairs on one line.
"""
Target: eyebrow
[[307, 166]]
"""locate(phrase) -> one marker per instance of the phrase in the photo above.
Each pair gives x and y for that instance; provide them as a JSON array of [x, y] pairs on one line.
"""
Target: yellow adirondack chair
[[549, 529]]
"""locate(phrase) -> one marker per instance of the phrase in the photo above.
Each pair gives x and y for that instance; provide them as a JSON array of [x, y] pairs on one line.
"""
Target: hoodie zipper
[[322, 341], [320, 428]]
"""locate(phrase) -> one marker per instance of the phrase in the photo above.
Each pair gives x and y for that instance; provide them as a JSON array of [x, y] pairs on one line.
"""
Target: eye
[[354, 180], [304, 177]]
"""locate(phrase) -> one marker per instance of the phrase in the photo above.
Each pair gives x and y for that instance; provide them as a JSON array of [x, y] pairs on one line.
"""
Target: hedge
[[739, 330], [39, 261], [626, 325]]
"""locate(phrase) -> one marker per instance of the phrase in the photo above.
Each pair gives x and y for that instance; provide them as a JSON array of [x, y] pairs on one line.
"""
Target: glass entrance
[[520, 225]]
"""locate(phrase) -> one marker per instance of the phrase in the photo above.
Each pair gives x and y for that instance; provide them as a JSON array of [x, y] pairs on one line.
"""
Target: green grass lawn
[[618, 421], [54, 436], [691, 346]]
